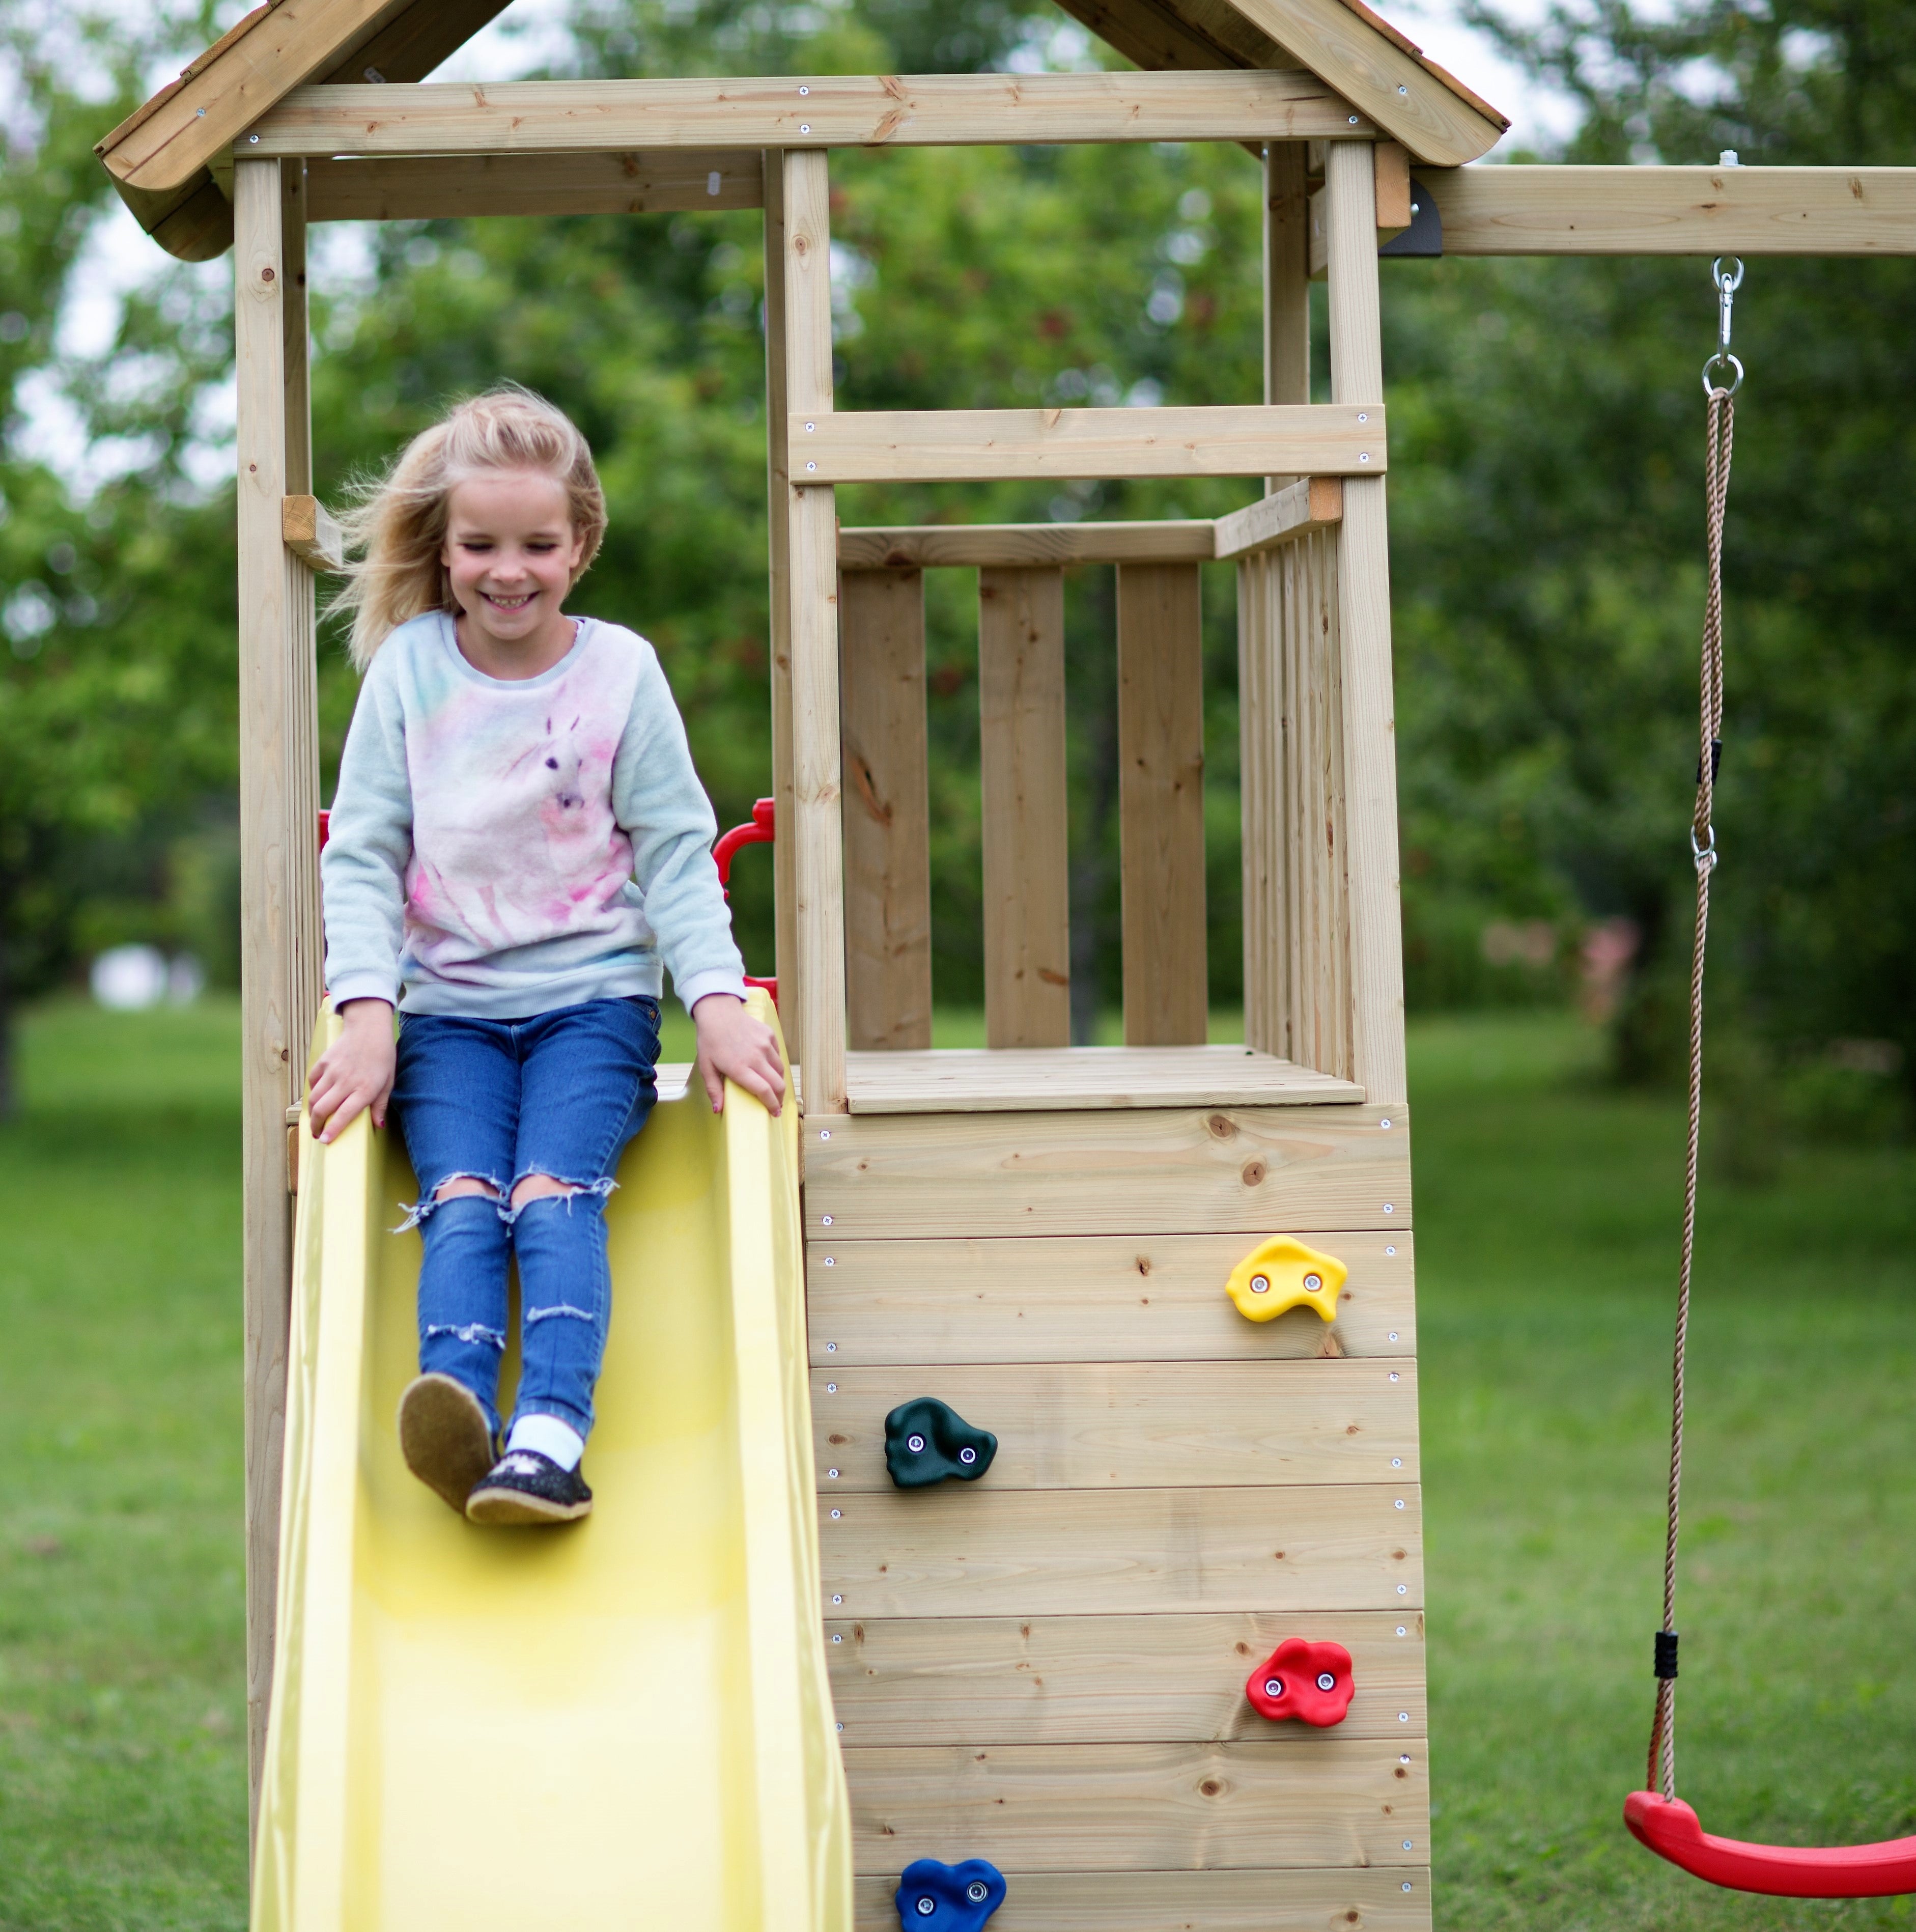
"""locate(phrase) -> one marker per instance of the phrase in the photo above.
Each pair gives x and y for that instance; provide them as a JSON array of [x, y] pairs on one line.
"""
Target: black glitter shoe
[[526, 1487]]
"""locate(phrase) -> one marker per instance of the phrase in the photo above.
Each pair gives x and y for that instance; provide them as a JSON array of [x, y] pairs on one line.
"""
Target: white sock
[[548, 1436]]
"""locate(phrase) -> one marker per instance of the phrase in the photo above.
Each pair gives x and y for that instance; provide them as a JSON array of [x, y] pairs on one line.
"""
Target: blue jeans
[[560, 1095]]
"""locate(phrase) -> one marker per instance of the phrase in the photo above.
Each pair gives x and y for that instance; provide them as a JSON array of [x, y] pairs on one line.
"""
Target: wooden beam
[[1363, 584], [310, 533], [931, 546], [1311, 503], [1147, 35], [242, 76], [1161, 803], [1286, 277], [907, 1304], [825, 111], [269, 1044], [998, 446], [1382, 76], [887, 810], [414, 42], [402, 189], [1303, 1900], [784, 849], [812, 548], [1391, 187], [1135, 1171], [1026, 862], [1675, 211]]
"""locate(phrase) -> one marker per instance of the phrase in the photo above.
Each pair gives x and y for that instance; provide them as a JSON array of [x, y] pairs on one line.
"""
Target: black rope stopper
[[1665, 1664]]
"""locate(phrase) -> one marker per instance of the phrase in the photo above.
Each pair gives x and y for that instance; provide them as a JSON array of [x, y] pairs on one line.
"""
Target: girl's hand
[[356, 1071], [734, 1046]]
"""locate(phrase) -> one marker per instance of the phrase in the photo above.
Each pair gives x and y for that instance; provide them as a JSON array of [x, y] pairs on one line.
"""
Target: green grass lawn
[[1546, 1216]]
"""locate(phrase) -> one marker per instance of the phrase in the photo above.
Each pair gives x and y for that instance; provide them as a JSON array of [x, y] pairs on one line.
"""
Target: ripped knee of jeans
[[473, 1333], [454, 1187], [559, 1310], [530, 1188]]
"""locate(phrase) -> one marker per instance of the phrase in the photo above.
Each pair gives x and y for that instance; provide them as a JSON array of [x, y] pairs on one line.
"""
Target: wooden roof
[[166, 159]]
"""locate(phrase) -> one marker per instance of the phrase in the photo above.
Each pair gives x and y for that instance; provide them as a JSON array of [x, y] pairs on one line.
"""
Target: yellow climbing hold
[[1284, 1274]]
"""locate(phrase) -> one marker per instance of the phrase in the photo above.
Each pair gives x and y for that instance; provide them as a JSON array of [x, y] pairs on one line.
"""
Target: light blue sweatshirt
[[499, 849]]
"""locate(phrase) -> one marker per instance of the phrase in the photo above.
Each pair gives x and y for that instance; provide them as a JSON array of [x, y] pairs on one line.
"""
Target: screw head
[[835, 1637], [1407, 1844], [914, 1443], [830, 1388], [1273, 1686], [1385, 1123], [831, 1261], [1402, 89], [1393, 1332], [1396, 1462], [826, 1219], [824, 1133], [836, 1514], [833, 1473], [1403, 1717], [1395, 1376], [1390, 1251], [812, 465], [1390, 1206], [838, 1596], [977, 1891], [1314, 1282], [253, 138], [1260, 1284], [1400, 1502], [1364, 456], [967, 1456], [1363, 415], [805, 90], [1401, 1631], [1326, 1682], [1403, 1589], [1353, 120], [926, 1907], [805, 126], [831, 1348]]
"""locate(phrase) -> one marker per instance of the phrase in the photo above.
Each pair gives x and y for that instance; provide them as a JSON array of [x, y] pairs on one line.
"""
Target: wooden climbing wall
[[1046, 1668]]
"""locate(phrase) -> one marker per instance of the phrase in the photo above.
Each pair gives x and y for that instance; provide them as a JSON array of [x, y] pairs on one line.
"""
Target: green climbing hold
[[926, 1440]]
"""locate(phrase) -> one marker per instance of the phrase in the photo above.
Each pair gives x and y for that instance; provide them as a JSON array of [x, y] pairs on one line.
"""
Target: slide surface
[[625, 1724]]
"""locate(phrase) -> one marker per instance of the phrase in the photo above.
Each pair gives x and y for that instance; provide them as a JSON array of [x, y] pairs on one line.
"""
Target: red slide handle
[[759, 831]]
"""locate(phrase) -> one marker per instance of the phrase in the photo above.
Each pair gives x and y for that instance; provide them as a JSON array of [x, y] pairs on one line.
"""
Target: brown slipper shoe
[[444, 1438]]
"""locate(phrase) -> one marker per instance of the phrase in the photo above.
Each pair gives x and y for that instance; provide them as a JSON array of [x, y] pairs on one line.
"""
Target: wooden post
[[272, 1049], [1028, 899], [784, 849], [812, 551], [887, 812], [1286, 277], [1161, 803], [1363, 587]]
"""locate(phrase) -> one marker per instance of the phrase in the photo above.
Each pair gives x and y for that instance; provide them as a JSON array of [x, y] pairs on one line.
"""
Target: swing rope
[[1719, 435]]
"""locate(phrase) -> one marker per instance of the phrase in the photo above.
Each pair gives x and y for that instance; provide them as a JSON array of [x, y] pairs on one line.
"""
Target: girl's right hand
[[355, 1072]]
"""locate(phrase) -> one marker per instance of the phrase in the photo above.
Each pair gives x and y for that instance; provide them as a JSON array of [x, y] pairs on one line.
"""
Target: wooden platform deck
[[964, 1080]]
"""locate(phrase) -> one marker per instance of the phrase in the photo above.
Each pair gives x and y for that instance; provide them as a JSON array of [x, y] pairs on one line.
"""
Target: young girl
[[517, 843]]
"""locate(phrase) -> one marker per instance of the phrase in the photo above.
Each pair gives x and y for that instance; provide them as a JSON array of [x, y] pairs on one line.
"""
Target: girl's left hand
[[732, 1045]]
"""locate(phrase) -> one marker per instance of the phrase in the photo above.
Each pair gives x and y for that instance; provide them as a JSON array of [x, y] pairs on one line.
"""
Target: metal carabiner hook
[[1727, 281]]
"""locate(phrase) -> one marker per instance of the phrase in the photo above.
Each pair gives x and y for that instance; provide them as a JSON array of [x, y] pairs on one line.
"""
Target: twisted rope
[[1662, 1766]]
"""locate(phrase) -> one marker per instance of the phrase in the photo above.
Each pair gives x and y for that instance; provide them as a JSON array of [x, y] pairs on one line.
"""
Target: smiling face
[[511, 551]]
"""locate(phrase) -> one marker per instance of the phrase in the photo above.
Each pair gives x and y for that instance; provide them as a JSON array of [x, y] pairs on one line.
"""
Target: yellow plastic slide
[[625, 1723]]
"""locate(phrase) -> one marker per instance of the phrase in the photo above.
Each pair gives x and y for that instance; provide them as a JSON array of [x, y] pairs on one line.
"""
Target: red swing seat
[[1672, 1830]]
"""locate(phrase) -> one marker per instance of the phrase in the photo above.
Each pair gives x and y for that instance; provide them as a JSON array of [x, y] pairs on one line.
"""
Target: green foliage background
[[1545, 498]]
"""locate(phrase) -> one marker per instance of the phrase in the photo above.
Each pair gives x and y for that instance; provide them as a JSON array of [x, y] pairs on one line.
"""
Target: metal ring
[[1716, 362], [977, 1891], [1731, 283], [1705, 855]]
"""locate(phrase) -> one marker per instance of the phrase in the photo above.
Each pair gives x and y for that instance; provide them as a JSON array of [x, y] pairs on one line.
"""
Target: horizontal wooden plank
[[1139, 1425], [1147, 1171], [967, 1549], [1311, 503], [1154, 1298], [409, 188], [1308, 1801], [931, 546], [1348, 1900], [309, 531], [796, 111], [1675, 211], [959, 1080], [996, 445], [1103, 1680]]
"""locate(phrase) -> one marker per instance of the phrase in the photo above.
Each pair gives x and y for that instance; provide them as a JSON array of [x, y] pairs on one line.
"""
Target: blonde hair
[[396, 528]]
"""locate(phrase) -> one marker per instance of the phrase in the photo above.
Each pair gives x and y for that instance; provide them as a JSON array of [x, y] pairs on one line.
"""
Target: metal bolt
[[831, 1261], [830, 1388], [1363, 416], [1353, 120], [967, 1456], [1403, 1589], [1396, 1462], [914, 1443], [1400, 1502], [1393, 1332], [926, 1907], [1407, 1844], [833, 1473], [976, 1890], [1314, 1282], [835, 1637], [805, 90], [1395, 1376], [253, 138], [839, 1598], [1391, 1251], [1273, 1686], [805, 126], [842, 1727], [1260, 1284], [825, 1133], [1385, 1123], [836, 1514], [1404, 1759], [826, 1219], [1364, 456], [1326, 1682], [1403, 1717], [1402, 1632], [812, 465], [831, 1348], [1407, 1884], [1389, 1207], [1402, 89]]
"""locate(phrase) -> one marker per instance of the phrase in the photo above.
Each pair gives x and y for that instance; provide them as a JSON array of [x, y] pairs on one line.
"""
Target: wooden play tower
[[1046, 1669]]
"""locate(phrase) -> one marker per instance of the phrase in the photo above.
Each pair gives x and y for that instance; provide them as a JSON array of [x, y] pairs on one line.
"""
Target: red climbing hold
[[1672, 1830], [1310, 1682]]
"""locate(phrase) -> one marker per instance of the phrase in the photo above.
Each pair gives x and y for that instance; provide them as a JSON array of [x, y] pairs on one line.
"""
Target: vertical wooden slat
[[812, 549], [1161, 803], [778, 517], [1363, 593], [887, 813], [308, 961], [1262, 845], [268, 1046], [1286, 277], [1027, 910]]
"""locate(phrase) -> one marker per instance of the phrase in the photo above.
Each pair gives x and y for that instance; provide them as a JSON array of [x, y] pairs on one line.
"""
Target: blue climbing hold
[[932, 1898], [926, 1440]]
